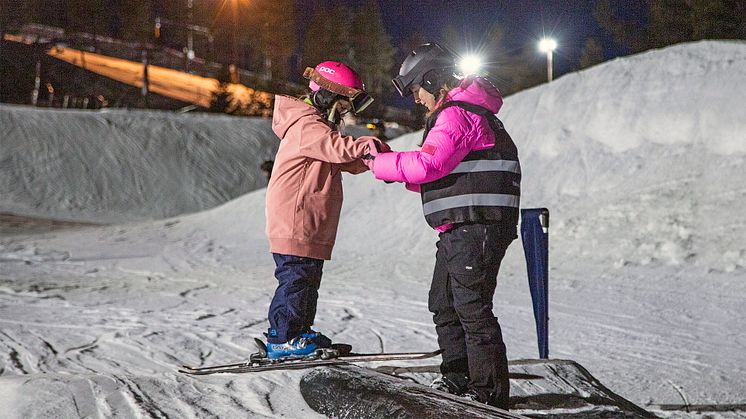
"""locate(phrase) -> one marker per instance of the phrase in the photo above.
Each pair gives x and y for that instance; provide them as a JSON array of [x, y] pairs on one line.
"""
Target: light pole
[[548, 45], [190, 39], [236, 57], [233, 8]]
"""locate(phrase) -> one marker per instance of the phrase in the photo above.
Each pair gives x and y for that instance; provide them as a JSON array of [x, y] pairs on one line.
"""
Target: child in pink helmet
[[304, 199]]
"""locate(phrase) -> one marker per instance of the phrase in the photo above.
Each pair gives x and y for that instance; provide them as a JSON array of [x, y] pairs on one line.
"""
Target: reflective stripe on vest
[[471, 200], [488, 166]]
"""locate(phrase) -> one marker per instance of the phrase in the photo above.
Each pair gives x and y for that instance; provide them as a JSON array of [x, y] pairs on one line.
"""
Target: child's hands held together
[[374, 148]]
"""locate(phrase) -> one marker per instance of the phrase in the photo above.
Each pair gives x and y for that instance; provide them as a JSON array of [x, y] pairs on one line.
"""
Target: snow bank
[[685, 94], [118, 165], [642, 157]]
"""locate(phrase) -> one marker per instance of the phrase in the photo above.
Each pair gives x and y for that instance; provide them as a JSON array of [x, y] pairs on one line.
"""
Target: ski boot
[[452, 382], [298, 347], [318, 338]]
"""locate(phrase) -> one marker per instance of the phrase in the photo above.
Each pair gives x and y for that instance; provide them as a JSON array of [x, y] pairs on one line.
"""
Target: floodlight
[[547, 45], [470, 64]]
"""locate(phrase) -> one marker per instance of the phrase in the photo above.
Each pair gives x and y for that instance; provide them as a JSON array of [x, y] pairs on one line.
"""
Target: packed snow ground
[[641, 161]]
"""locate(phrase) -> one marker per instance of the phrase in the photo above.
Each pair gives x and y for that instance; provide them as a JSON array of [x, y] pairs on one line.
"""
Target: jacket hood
[[288, 111], [479, 91]]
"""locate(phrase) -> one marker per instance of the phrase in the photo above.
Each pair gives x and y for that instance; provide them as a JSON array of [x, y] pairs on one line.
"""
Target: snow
[[120, 166], [640, 161]]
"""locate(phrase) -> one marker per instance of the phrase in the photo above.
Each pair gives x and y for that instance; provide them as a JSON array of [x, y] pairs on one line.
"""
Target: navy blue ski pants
[[293, 307], [466, 266]]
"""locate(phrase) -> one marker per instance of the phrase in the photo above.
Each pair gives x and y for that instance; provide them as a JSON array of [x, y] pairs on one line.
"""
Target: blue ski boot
[[319, 339], [299, 347]]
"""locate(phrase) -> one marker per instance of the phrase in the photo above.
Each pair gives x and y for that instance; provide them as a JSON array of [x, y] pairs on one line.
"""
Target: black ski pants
[[466, 266]]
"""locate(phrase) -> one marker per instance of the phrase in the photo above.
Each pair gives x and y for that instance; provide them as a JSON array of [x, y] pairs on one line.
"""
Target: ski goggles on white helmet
[[359, 99]]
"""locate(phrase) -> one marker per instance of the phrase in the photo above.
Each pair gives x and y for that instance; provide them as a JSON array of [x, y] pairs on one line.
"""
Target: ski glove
[[374, 147]]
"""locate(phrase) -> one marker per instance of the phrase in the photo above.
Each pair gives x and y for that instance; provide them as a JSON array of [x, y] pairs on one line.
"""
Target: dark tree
[[275, 20], [13, 13], [372, 52], [221, 100], [718, 19], [327, 39], [135, 20], [673, 21], [526, 69], [625, 33], [669, 22], [591, 54]]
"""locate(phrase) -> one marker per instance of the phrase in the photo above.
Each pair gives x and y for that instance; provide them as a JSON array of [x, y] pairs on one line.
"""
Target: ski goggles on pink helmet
[[358, 98]]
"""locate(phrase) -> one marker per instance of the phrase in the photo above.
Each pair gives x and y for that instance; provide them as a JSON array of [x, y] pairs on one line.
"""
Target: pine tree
[[372, 54], [669, 22], [494, 54], [84, 16], [717, 19], [327, 37], [526, 69], [591, 54], [316, 38], [14, 13], [135, 20], [277, 39], [674, 21]]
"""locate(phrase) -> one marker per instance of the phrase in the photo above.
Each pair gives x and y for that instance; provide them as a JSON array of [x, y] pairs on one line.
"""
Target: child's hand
[[384, 148], [368, 161], [377, 146]]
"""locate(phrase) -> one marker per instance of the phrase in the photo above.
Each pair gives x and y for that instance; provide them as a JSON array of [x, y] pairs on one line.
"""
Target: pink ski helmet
[[338, 73], [337, 78]]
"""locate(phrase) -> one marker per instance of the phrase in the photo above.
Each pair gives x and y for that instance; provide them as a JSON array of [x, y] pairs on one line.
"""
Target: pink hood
[[478, 91]]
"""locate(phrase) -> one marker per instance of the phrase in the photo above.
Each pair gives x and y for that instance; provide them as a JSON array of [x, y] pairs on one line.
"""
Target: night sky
[[524, 22]]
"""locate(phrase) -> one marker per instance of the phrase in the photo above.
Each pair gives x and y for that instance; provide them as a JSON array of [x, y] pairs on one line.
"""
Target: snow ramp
[[115, 166], [539, 388]]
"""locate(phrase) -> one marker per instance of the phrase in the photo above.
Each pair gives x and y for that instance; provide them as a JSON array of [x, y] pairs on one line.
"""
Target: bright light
[[470, 64], [547, 45]]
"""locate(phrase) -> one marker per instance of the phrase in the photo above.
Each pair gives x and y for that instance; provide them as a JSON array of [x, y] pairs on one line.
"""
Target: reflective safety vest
[[484, 188]]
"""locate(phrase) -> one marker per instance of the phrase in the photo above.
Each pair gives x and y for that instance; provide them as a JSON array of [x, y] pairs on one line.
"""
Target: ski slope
[[640, 160]]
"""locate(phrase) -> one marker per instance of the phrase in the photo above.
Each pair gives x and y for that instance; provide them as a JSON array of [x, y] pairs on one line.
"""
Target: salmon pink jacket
[[456, 133], [304, 195]]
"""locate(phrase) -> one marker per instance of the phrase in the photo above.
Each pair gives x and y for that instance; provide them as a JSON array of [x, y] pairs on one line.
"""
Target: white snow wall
[[120, 165], [643, 157]]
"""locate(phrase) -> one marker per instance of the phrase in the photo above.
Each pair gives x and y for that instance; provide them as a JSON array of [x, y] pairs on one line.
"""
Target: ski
[[260, 358], [300, 363], [324, 357]]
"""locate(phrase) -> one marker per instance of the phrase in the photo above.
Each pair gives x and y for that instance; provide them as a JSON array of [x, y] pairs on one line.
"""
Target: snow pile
[[116, 165], [642, 157]]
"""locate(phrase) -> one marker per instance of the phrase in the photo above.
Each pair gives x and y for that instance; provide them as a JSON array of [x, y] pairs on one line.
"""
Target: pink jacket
[[455, 134], [304, 196]]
